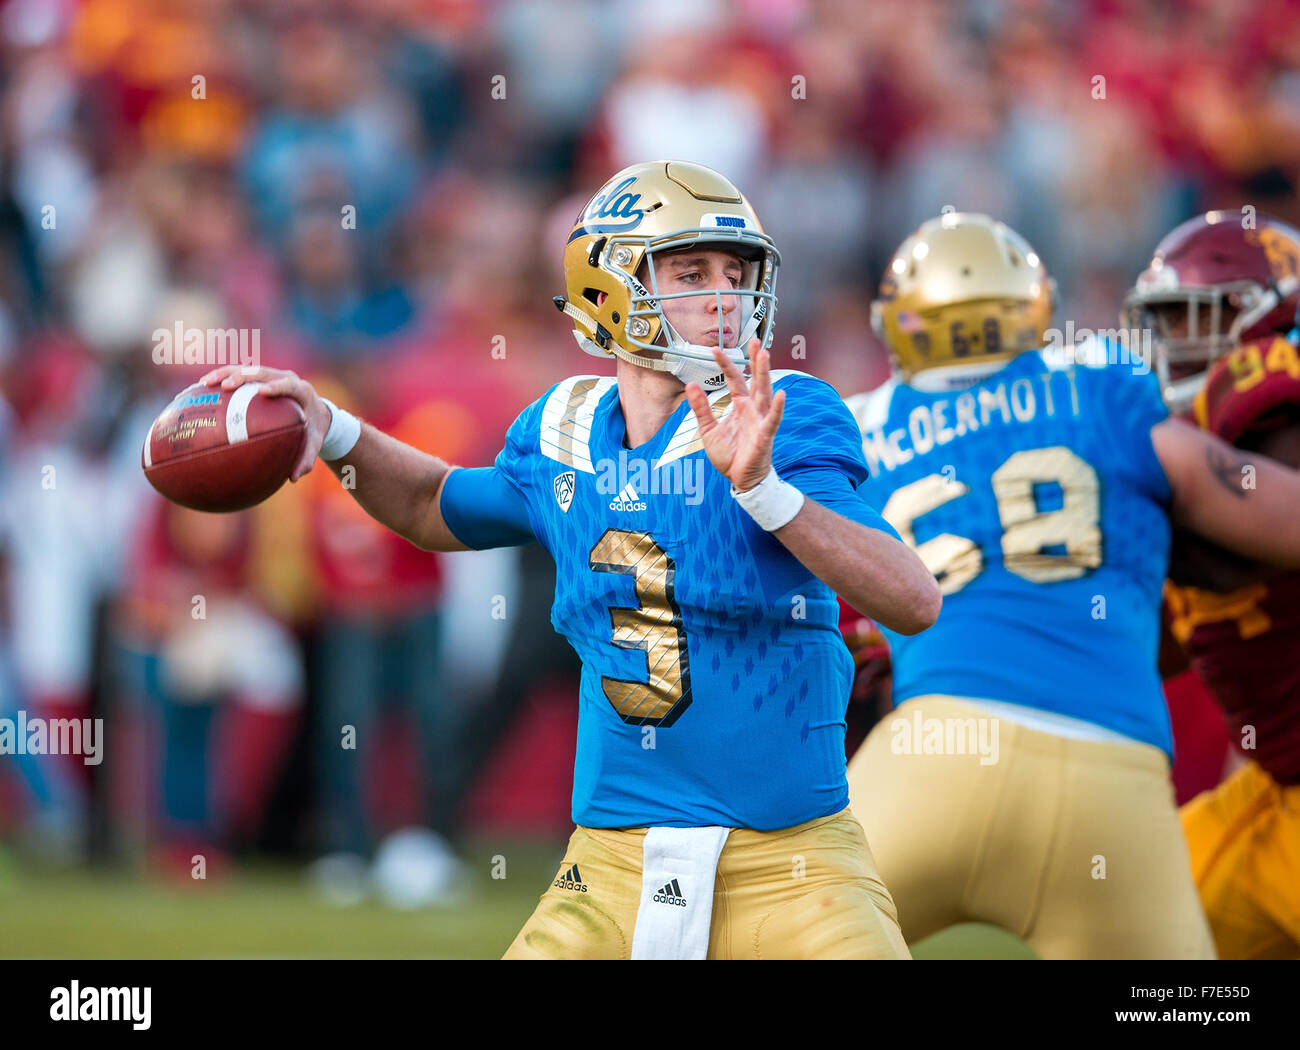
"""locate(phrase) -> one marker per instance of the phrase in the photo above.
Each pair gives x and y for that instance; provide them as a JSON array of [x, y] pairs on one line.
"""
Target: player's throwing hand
[[740, 444], [278, 383]]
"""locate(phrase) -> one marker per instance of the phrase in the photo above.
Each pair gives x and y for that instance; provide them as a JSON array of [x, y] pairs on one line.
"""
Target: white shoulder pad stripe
[[686, 439], [566, 420], [872, 408], [780, 373]]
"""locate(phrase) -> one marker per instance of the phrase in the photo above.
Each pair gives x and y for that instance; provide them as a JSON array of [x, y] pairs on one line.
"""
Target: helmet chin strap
[[687, 369], [694, 363]]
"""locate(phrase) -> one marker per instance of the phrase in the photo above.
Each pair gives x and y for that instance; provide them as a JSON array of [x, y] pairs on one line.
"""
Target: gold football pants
[[1244, 836], [1073, 845], [806, 892]]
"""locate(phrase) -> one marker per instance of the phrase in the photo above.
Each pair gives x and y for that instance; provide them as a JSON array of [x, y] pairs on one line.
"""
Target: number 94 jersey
[[1035, 497], [714, 681]]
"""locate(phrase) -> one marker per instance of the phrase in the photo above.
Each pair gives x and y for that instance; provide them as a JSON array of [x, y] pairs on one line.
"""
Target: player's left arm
[[1243, 501], [876, 573]]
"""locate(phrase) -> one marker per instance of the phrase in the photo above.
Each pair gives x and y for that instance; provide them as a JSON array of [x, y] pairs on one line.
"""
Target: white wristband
[[345, 429], [772, 502]]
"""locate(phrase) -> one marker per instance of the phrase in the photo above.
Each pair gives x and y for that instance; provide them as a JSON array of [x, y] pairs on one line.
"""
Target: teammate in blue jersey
[[709, 789], [1023, 779]]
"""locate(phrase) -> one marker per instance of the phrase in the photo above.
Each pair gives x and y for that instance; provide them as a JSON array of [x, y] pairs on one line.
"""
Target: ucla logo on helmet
[[614, 211]]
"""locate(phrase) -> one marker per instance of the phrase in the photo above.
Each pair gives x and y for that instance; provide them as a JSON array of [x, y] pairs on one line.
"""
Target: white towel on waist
[[677, 875]]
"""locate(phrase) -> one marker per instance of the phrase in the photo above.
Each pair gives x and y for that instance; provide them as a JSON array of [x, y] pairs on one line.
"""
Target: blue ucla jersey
[[714, 680], [1036, 498]]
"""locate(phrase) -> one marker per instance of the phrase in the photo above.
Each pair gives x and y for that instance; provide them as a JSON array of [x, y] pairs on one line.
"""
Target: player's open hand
[[740, 444], [278, 383]]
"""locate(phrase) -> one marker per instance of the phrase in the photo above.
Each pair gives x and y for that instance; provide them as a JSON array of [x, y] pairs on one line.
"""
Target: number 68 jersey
[[714, 680], [1035, 497]]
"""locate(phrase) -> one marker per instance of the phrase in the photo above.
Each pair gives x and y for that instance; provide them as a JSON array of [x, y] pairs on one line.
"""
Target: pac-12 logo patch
[[564, 485]]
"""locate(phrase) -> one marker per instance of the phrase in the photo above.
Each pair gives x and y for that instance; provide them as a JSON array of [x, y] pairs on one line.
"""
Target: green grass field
[[270, 912]]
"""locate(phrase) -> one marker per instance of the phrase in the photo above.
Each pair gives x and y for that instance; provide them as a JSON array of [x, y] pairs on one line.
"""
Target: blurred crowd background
[[463, 136]]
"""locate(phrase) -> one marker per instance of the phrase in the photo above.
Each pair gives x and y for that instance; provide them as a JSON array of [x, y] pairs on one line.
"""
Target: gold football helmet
[[662, 206], [963, 288]]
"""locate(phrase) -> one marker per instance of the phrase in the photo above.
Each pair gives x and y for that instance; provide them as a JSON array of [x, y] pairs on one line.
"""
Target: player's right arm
[[1243, 501], [399, 486]]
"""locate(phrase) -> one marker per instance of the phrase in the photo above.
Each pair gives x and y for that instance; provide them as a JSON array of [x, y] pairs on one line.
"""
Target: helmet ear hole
[[592, 296]]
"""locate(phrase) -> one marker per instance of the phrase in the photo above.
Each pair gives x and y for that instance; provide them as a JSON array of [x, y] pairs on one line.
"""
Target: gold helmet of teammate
[[649, 209], [963, 288]]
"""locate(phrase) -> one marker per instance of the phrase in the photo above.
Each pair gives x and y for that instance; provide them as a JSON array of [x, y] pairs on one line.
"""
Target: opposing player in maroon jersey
[[1220, 296]]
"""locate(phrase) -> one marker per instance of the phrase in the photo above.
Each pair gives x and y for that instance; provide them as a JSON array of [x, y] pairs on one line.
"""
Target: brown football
[[223, 450]]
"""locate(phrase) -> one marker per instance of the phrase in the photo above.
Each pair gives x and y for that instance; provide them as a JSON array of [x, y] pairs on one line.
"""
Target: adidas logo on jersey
[[627, 499], [571, 880], [670, 893]]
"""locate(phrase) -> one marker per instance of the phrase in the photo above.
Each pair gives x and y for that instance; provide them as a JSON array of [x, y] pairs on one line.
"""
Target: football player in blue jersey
[[1023, 777], [709, 787]]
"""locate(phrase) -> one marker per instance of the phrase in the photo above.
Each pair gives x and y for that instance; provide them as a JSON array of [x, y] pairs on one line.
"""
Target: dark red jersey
[[1239, 621]]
